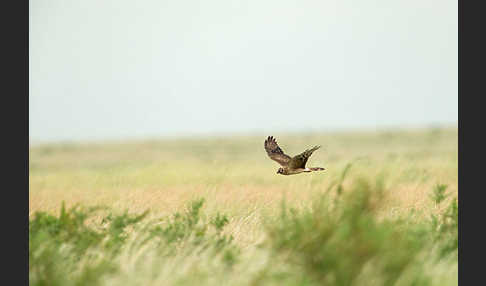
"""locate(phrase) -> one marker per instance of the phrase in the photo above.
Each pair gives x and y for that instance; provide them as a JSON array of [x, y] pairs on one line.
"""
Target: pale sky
[[132, 69]]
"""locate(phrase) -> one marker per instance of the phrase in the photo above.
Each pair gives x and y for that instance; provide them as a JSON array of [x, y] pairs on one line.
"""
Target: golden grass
[[236, 177]]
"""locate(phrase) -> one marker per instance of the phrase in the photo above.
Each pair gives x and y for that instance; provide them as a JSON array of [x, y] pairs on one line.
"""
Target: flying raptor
[[290, 165]]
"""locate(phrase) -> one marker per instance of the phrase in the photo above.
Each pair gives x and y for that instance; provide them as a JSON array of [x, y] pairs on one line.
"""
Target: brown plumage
[[290, 165]]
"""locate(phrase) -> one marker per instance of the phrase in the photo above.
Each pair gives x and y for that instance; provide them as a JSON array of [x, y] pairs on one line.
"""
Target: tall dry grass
[[235, 177]]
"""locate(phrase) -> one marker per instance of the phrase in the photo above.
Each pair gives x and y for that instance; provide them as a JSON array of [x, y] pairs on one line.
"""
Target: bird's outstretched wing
[[275, 153], [299, 161]]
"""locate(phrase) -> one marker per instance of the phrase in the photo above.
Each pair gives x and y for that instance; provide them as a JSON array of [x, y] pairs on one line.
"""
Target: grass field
[[382, 213]]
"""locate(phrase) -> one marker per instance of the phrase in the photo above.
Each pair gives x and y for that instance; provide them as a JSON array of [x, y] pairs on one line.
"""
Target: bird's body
[[290, 165], [289, 171]]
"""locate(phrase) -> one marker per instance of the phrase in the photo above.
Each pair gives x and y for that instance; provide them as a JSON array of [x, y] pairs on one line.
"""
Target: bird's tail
[[317, 169]]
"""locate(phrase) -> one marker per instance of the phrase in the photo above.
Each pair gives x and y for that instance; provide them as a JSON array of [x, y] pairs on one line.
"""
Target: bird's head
[[280, 171]]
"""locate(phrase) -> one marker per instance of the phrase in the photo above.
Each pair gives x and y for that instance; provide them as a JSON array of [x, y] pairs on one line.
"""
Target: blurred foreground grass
[[384, 221]]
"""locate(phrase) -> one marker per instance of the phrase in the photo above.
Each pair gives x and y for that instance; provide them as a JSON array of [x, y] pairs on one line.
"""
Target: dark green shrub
[[444, 226], [67, 250], [343, 242]]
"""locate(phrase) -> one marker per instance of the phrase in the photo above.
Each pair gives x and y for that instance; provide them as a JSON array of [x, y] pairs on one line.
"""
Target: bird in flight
[[290, 165]]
